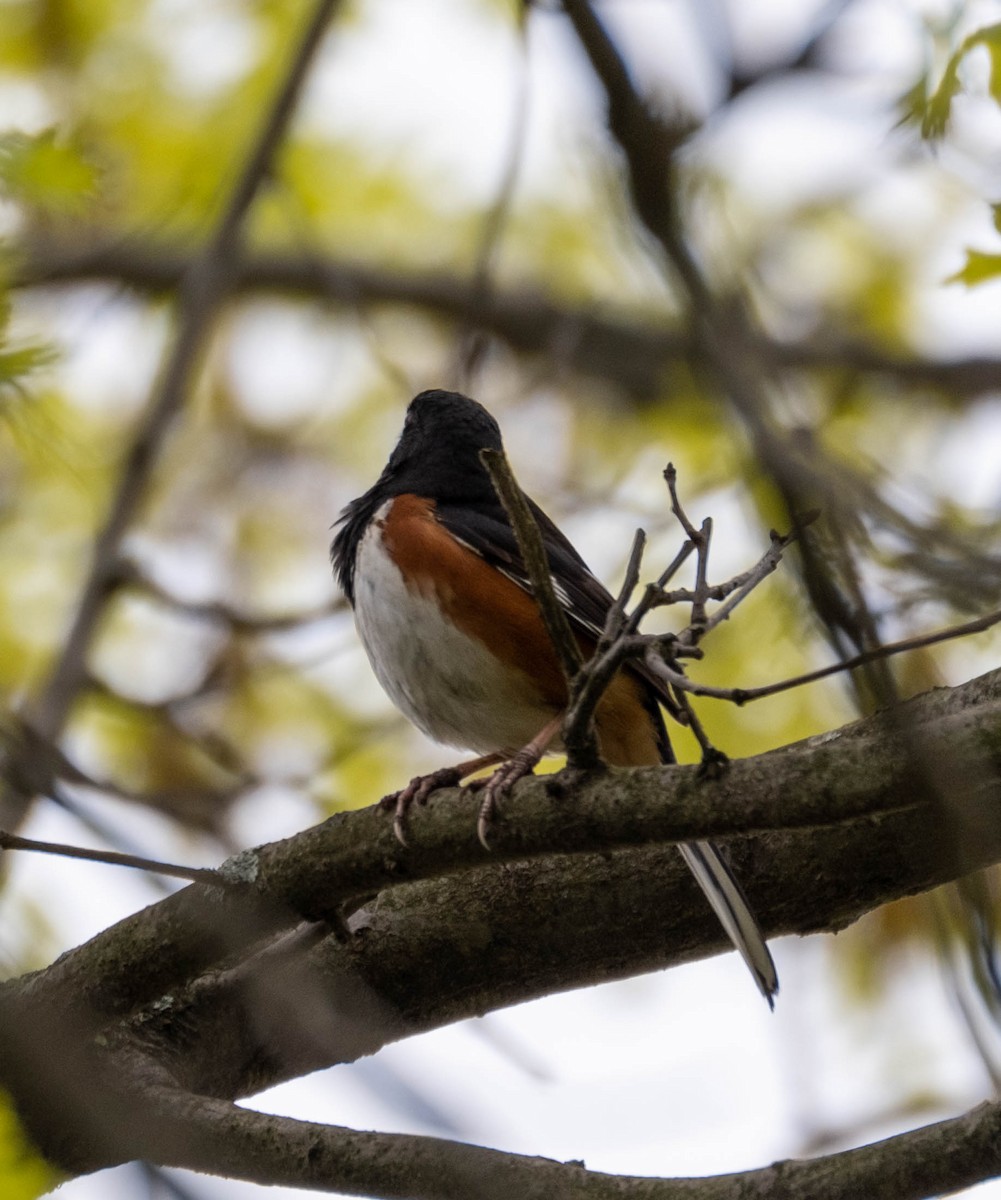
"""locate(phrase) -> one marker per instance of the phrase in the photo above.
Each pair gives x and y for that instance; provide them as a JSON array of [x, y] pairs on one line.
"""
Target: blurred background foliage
[[226, 699]]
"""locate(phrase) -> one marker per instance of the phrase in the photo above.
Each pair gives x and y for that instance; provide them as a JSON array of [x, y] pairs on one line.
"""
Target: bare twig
[[579, 739], [12, 841], [615, 622], [887, 650], [662, 653], [712, 759], [671, 479], [654, 591], [700, 539], [473, 341], [621, 641], [593, 680], [536, 561], [741, 586]]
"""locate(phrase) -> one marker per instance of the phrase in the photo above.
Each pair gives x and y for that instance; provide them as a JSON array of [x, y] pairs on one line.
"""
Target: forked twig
[[663, 654]]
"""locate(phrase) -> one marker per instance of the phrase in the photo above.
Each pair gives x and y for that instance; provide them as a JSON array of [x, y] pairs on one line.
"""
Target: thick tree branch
[[211, 1135], [150, 1118], [266, 1149], [444, 940], [839, 783]]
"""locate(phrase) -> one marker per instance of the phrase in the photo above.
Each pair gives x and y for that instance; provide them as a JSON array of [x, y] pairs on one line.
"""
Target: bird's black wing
[[485, 529]]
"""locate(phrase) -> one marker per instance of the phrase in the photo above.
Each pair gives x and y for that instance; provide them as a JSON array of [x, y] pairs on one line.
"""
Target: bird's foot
[[417, 791], [499, 784], [420, 788]]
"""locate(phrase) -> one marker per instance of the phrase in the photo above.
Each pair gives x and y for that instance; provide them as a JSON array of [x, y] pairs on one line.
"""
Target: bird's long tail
[[730, 905]]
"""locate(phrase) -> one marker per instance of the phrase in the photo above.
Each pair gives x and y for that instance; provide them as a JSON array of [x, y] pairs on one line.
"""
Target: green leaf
[[991, 39], [938, 108], [45, 172], [18, 362], [978, 268], [933, 110], [24, 1174]]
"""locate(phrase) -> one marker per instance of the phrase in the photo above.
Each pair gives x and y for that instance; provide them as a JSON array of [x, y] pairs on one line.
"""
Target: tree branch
[[266, 1149], [533, 552], [154, 1120], [620, 349], [839, 782], [579, 736], [114, 858], [843, 813]]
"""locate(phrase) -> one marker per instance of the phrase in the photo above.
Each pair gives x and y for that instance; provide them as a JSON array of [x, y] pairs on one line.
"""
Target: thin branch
[[711, 757], [741, 586], [594, 679], [671, 479], [887, 650], [533, 551], [579, 739], [615, 622], [12, 841], [661, 653], [473, 344], [703, 542], [216, 611], [654, 591]]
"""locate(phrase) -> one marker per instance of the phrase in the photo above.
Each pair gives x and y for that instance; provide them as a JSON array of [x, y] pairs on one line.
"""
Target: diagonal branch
[[533, 552], [742, 695], [203, 287], [581, 741], [114, 858]]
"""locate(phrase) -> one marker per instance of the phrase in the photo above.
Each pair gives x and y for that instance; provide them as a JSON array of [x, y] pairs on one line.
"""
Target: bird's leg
[[420, 788], [506, 776]]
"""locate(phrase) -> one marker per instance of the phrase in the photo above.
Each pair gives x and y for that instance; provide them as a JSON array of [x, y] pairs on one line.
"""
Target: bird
[[444, 607]]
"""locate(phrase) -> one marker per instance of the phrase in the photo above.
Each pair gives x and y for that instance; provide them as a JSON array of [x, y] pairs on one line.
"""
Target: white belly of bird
[[446, 682]]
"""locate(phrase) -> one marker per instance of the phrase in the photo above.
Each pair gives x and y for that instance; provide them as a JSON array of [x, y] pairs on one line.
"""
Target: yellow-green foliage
[[24, 1174]]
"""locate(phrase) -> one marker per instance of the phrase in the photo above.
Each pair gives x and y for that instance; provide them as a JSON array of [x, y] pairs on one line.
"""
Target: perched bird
[[445, 610]]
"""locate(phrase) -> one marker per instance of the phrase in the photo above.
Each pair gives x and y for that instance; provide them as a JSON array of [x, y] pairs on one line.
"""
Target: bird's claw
[[417, 791], [497, 787]]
